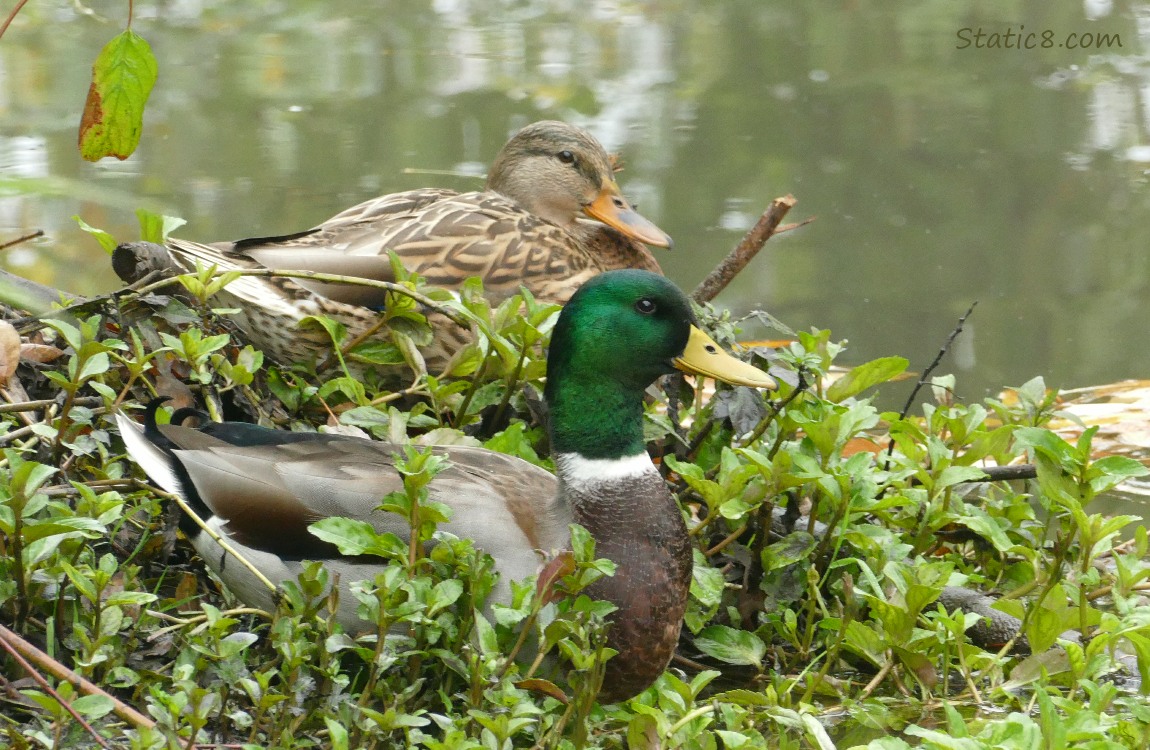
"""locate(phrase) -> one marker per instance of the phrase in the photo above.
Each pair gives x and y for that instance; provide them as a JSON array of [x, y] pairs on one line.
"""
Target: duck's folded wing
[[267, 495], [444, 237]]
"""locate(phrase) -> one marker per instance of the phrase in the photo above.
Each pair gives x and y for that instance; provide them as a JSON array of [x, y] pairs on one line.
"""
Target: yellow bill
[[702, 356]]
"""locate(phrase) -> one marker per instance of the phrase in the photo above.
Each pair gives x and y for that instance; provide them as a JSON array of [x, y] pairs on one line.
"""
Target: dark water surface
[[940, 175]]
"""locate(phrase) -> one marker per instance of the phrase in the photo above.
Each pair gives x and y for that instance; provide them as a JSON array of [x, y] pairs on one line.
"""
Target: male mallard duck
[[261, 488], [528, 227]]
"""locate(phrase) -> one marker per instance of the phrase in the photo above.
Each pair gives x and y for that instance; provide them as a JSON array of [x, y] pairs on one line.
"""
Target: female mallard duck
[[528, 227], [261, 488]]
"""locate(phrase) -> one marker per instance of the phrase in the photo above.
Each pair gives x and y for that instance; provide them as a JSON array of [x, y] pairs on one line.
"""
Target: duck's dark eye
[[566, 157], [646, 306]]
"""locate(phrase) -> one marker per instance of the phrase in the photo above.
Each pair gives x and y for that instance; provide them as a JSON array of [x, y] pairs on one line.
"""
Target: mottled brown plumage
[[550, 218]]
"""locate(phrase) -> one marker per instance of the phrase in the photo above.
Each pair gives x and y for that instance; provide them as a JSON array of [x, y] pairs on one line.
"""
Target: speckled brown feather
[[521, 230]]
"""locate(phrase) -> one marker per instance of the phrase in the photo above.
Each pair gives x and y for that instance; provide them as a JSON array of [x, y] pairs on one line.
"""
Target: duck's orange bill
[[703, 356], [611, 208]]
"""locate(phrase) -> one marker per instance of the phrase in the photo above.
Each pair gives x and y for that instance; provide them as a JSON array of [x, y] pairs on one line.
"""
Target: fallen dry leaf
[[1121, 411], [41, 353]]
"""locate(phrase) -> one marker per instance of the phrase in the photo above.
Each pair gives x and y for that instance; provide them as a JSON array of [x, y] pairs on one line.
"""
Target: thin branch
[[8, 20], [877, 679], [96, 484], [17, 434], [210, 532], [39, 680], [776, 409], [937, 359], [996, 474], [22, 650], [455, 316], [41, 403], [25, 238], [747, 249], [1007, 473], [927, 373]]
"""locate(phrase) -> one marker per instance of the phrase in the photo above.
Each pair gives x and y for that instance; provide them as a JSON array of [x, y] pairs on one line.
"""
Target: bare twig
[[689, 663], [1007, 473], [96, 484], [927, 373], [455, 316], [937, 359], [776, 408], [17, 434], [725, 541], [212, 533], [40, 404], [878, 678], [748, 247], [22, 651], [8, 20], [997, 474], [25, 238]]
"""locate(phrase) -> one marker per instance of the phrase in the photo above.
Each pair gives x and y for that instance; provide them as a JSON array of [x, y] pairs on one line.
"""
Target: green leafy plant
[[828, 538]]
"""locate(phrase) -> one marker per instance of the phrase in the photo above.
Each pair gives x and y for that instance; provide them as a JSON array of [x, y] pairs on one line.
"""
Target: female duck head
[[617, 335], [559, 172]]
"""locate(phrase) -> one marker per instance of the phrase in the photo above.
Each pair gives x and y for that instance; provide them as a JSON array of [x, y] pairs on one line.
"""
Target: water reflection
[[938, 175]]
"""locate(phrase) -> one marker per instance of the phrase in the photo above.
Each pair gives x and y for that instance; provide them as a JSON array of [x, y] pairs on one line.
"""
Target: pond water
[[945, 161]]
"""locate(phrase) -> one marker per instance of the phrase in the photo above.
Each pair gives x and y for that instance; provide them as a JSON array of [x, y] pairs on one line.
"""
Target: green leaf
[[978, 521], [1114, 471], [485, 636], [1141, 646], [156, 227], [137, 598], [95, 365], [582, 543], [707, 584], [82, 582], [642, 731], [29, 476], [952, 475], [93, 706], [122, 79], [234, 643], [513, 441], [1045, 442], [376, 352], [107, 241], [336, 734], [710, 491], [791, 549], [730, 645], [744, 697], [866, 375], [445, 594], [45, 529], [356, 537]]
